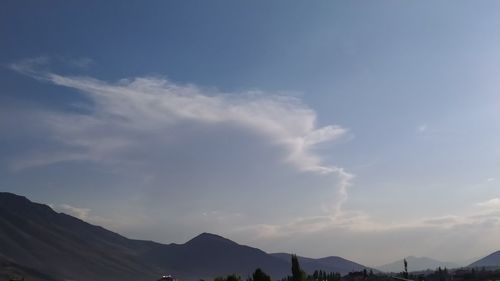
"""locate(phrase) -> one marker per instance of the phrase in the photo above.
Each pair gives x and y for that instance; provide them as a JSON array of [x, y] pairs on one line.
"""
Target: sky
[[367, 130]]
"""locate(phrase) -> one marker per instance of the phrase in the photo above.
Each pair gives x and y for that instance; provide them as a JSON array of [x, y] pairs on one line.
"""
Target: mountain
[[209, 255], [329, 264], [36, 237], [492, 260], [416, 264]]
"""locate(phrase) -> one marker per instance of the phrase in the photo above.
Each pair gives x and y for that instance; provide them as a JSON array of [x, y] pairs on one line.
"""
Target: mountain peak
[[7, 196], [206, 237]]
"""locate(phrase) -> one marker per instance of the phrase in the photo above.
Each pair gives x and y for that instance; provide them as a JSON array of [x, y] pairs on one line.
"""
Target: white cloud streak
[[81, 213], [359, 222], [130, 107], [493, 203]]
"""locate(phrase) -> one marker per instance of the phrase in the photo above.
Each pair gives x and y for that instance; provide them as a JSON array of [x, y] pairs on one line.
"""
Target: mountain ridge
[[415, 264], [491, 260], [329, 263], [34, 235]]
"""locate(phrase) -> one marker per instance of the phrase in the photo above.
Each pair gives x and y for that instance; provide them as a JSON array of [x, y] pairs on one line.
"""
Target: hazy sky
[[368, 130]]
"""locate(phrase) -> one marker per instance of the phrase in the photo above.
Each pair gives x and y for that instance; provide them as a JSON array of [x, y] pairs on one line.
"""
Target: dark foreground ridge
[[35, 236]]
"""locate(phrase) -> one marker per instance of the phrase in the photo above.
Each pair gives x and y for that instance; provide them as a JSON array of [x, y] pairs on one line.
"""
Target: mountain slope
[[416, 264], [329, 264], [34, 235], [209, 255], [492, 260], [59, 245]]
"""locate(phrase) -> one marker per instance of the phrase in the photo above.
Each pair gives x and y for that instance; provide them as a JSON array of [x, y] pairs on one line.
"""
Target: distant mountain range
[[35, 238], [330, 264], [416, 264]]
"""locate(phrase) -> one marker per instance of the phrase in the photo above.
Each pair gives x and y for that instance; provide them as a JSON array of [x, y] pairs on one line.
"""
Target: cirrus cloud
[[126, 115]]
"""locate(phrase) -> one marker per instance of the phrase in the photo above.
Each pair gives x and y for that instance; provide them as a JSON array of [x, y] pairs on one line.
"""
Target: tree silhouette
[[297, 273], [260, 275], [406, 268], [231, 277], [315, 275]]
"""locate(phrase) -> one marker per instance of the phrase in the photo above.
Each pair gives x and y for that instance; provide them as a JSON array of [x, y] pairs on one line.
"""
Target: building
[[167, 278]]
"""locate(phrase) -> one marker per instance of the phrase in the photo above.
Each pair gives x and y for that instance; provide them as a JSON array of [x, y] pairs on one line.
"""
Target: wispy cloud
[[432, 236], [81, 213], [493, 203], [360, 222], [126, 111]]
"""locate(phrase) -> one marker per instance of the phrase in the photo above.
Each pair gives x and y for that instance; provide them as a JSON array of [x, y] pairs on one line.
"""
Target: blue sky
[[324, 128]]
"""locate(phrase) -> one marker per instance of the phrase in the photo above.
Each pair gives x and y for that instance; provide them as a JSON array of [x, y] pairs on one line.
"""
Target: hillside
[[35, 236], [491, 260], [209, 255]]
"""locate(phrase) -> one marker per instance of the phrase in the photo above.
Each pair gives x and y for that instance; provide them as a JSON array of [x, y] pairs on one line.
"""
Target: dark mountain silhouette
[[329, 264], [35, 236], [208, 255], [491, 260], [416, 264]]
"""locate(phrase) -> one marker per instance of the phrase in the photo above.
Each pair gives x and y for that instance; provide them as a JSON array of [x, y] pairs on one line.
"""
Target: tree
[[337, 277], [297, 273], [231, 277], [260, 275], [315, 275], [406, 268]]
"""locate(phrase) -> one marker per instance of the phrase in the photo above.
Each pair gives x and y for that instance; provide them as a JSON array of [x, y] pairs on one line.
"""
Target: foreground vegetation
[[440, 274]]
